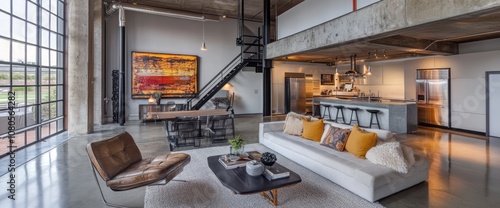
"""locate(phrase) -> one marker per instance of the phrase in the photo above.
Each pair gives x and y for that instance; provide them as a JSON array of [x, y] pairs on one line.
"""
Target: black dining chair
[[219, 128], [184, 131]]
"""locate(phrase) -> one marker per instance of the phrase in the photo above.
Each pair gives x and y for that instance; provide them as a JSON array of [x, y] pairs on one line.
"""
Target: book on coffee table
[[274, 173], [231, 164]]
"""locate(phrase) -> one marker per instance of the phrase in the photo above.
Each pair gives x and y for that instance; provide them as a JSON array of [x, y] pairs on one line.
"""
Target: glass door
[[493, 90]]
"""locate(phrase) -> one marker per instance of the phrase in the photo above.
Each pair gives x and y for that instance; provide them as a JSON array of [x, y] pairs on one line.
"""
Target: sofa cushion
[[392, 155], [336, 138], [360, 141], [293, 124], [325, 132], [312, 129]]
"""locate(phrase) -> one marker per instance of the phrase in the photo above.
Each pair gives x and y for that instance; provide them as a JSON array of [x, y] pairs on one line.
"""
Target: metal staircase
[[224, 76], [251, 55]]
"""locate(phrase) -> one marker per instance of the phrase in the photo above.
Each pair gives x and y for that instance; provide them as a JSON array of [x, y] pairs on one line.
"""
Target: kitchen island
[[397, 117]]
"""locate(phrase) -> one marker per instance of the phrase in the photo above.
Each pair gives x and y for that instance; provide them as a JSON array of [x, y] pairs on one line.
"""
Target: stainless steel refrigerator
[[295, 92], [433, 97]]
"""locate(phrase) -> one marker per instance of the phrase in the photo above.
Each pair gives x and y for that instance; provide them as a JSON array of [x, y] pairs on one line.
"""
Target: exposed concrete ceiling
[[229, 8], [438, 36], [430, 37]]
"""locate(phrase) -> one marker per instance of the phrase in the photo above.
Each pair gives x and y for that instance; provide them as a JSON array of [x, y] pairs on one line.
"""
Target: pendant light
[[369, 70], [203, 46], [336, 69]]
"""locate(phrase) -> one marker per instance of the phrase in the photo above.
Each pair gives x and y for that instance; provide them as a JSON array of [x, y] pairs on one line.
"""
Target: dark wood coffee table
[[238, 181]]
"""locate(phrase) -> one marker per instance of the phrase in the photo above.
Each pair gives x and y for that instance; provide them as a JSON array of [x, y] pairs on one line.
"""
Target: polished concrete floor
[[465, 169]]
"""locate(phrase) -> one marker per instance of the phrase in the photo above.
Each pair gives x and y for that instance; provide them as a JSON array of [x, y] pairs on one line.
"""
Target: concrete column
[[99, 71], [80, 67]]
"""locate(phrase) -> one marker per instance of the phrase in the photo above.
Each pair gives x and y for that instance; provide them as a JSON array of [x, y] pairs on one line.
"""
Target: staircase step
[[252, 44], [251, 36], [253, 60]]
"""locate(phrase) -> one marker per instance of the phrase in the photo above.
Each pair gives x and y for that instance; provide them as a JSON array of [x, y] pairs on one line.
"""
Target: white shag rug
[[203, 189]]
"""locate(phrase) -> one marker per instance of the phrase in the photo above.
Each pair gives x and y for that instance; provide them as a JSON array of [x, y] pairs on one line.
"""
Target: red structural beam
[[354, 5]]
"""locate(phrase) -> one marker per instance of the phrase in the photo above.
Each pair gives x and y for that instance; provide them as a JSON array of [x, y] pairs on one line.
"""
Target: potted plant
[[237, 145]]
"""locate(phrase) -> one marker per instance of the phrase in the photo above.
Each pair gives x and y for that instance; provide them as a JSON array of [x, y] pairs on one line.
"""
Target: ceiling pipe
[[160, 11]]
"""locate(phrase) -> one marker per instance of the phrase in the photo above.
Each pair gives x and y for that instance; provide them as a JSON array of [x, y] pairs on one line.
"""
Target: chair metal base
[[100, 189]]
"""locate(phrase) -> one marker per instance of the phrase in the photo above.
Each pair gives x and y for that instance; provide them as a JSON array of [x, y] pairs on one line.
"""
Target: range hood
[[352, 71]]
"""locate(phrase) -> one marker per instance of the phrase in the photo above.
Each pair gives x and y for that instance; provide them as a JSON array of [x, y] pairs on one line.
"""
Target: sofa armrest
[[270, 127]]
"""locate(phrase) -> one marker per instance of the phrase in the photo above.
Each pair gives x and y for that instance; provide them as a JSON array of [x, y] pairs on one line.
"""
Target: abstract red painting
[[173, 75]]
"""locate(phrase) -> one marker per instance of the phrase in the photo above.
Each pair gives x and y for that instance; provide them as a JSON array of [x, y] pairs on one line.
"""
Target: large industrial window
[[32, 66]]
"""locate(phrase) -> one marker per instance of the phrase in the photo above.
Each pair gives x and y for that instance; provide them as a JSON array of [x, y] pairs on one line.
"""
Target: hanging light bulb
[[369, 70], [336, 69], [203, 46]]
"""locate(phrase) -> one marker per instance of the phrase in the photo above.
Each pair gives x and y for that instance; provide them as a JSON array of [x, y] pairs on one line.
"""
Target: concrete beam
[[419, 45], [382, 19]]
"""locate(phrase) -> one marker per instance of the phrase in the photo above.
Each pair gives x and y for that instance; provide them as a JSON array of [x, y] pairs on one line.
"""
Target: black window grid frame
[[60, 18]]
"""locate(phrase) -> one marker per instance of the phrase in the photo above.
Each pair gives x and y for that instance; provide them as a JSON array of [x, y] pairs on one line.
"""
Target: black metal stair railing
[[214, 86], [219, 80]]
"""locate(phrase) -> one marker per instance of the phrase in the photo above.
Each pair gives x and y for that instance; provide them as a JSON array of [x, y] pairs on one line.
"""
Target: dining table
[[171, 115]]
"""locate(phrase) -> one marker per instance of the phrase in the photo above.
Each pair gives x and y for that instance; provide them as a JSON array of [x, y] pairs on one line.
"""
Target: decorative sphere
[[268, 159]]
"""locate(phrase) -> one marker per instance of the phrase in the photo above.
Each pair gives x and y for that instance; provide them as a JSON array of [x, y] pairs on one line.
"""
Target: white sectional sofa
[[360, 176]]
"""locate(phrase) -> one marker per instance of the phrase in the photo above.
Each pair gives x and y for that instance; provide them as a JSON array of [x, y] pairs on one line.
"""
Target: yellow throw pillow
[[313, 130], [360, 141]]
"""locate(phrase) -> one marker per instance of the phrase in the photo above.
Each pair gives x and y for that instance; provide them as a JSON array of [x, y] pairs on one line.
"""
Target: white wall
[[310, 13], [151, 33], [387, 80]]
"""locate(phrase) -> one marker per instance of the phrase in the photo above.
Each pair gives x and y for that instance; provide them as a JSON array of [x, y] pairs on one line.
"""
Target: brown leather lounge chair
[[120, 164]]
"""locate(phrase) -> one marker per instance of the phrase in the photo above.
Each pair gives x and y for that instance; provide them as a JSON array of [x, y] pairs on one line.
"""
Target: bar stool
[[341, 109], [326, 106], [316, 110], [373, 112], [354, 111]]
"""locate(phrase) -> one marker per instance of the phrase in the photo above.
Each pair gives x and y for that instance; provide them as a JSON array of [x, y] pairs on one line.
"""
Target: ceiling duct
[[162, 12]]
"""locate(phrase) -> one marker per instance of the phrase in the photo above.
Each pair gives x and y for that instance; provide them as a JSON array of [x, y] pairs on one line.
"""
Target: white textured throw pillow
[[392, 155], [293, 123]]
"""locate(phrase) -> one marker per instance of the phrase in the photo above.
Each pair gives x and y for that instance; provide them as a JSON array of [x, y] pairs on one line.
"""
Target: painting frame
[[327, 79], [173, 75]]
